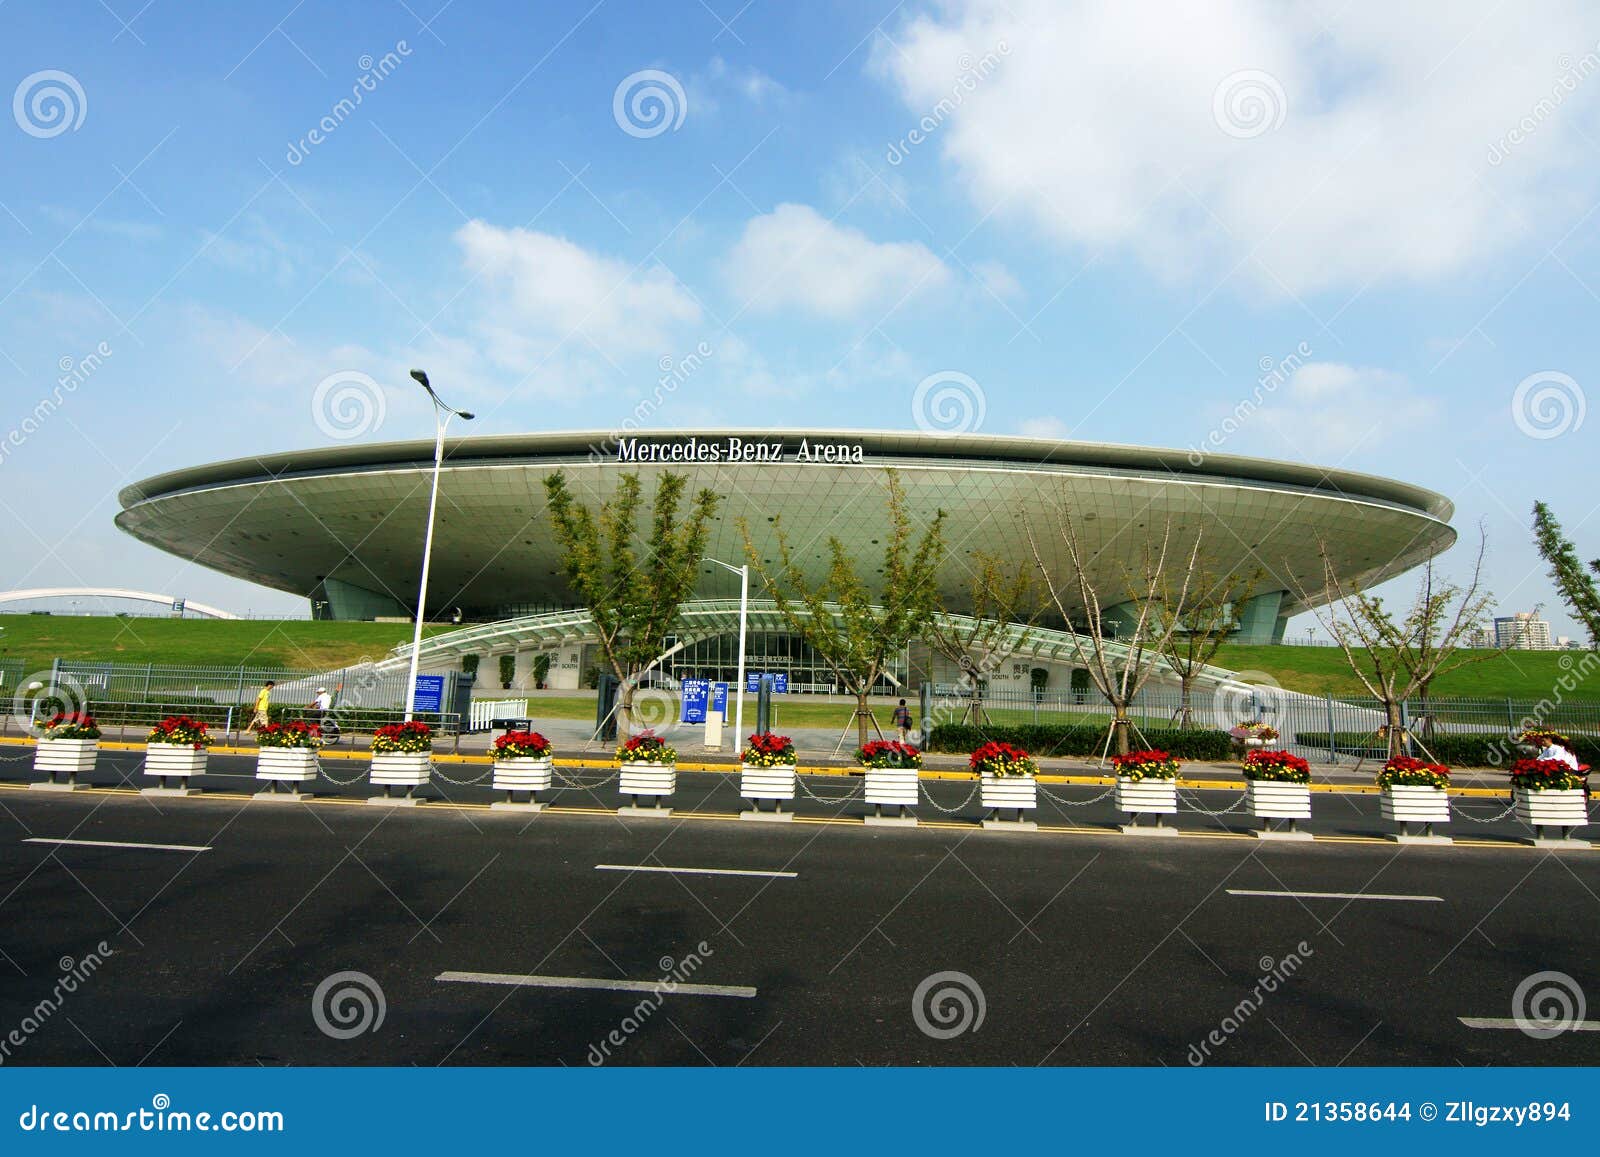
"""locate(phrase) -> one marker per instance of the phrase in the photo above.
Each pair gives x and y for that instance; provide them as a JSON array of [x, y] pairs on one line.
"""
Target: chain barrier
[[475, 780], [855, 791], [1050, 795], [1457, 812], [322, 770], [927, 796], [1193, 806]]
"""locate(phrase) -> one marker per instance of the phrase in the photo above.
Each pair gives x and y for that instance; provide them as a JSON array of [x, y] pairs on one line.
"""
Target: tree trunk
[[1397, 742], [1185, 687], [1120, 726], [861, 718], [625, 711], [977, 704]]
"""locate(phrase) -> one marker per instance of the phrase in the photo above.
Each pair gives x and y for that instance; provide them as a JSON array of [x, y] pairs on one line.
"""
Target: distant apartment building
[[1523, 631]]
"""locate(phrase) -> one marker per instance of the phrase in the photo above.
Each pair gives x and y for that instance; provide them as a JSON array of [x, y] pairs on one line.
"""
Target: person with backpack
[[902, 721]]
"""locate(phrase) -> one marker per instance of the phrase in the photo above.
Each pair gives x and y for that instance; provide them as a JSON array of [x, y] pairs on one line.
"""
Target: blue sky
[[1112, 221]]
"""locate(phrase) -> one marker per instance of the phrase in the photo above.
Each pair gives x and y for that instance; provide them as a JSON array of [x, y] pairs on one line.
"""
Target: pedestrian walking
[[902, 721], [258, 718], [322, 707]]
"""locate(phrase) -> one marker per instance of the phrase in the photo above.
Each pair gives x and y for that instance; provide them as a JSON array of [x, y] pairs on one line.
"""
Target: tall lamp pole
[[441, 418], [744, 605]]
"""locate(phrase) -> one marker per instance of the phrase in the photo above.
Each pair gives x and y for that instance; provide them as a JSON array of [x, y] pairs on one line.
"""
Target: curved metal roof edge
[[914, 444]]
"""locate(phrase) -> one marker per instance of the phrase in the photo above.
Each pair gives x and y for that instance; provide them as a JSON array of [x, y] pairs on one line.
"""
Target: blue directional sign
[[780, 681], [693, 696], [429, 693], [719, 698]]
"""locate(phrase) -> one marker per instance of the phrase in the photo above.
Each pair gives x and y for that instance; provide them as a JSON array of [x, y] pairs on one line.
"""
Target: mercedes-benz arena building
[[343, 525]]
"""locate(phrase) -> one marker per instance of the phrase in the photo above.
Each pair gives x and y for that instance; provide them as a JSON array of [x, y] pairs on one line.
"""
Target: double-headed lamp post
[[744, 605], [441, 418]]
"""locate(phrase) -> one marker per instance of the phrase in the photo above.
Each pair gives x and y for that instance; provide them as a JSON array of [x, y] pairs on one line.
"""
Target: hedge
[[1048, 739], [1449, 749]]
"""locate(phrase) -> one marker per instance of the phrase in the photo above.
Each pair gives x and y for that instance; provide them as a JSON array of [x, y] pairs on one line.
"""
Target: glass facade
[[771, 652]]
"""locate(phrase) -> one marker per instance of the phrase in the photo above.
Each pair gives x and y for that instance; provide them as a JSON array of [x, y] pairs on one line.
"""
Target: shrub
[[508, 669], [888, 753], [1151, 764], [293, 734], [764, 749], [647, 747], [1404, 771], [1045, 740], [180, 729], [77, 725], [1547, 775], [1002, 759], [521, 745], [403, 738]]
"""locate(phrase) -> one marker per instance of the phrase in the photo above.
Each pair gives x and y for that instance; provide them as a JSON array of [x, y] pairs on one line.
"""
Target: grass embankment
[[1323, 671], [35, 640]]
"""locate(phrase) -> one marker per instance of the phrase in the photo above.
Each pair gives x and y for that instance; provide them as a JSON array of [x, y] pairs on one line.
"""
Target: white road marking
[[1501, 1022], [118, 844], [511, 978], [694, 871], [1332, 895]]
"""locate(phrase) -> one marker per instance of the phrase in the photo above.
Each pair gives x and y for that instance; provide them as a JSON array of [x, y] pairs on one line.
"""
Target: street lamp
[[441, 418], [744, 604]]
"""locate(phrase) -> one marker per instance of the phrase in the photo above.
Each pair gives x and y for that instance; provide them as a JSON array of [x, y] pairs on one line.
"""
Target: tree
[[837, 616], [1396, 658], [1576, 585], [1161, 601], [1212, 615], [633, 584], [979, 644]]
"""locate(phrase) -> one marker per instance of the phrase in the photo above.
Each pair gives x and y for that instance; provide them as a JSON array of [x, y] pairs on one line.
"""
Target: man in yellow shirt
[[263, 704]]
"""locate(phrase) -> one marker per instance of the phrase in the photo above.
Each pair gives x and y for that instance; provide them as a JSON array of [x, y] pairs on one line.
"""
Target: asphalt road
[[1087, 947]]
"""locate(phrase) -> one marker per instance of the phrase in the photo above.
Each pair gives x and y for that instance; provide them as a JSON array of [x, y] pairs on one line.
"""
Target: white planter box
[[72, 756], [1414, 804], [1276, 800], [1159, 796], [174, 760], [287, 764], [1551, 809], [523, 774], [401, 768], [1010, 791], [766, 782], [894, 786], [1259, 743], [654, 779]]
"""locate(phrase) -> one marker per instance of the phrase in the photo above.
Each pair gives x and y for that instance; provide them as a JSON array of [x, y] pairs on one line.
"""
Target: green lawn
[[37, 639], [1324, 671]]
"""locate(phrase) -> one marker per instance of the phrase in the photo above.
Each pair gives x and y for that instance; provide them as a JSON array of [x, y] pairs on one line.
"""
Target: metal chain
[[1050, 795], [477, 779], [322, 770], [577, 784], [1233, 807], [1456, 813], [855, 790], [950, 811]]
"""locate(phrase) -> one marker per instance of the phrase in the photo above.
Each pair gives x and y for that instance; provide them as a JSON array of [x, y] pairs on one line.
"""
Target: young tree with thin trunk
[[852, 632], [1575, 584], [1396, 656], [1160, 596], [1212, 615], [1005, 603], [633, 583]]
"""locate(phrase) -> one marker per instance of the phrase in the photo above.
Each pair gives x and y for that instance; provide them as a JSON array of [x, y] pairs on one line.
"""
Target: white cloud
[[1333, 410], [997, 279], [1097, 128], [751, 83], [547, 286], [794, 257], [1044, 427]]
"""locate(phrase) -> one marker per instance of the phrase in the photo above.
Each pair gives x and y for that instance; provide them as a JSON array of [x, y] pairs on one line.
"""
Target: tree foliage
[[1575, 583], [1006, 601], [849, 629], [633, 583]]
